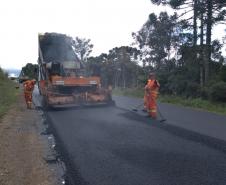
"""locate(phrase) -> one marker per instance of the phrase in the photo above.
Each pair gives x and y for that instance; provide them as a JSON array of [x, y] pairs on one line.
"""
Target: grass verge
[[8, 95], [196, 103]]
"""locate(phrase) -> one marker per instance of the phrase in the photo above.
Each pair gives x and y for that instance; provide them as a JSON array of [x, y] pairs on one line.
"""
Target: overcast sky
[[108, 23]]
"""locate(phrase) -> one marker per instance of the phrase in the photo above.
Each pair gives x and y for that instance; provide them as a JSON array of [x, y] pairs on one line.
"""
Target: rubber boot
[[153, 115], [29, 105]]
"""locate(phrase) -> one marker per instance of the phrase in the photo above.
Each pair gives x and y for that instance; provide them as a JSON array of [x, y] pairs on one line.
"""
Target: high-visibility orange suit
[[150, 97], [28, 90]]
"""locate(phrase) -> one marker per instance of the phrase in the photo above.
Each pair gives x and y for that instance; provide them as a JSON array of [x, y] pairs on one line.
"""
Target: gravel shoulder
[[22, 148]]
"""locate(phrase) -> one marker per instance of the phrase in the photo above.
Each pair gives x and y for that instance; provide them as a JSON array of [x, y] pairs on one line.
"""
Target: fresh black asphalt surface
[[199, 121], [114, 146]]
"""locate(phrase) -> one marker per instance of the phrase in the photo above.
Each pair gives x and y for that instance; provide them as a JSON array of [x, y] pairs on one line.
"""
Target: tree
[[184, 7], [124, 64], [30, 70], [118, 68], [82, 48], [210, 12], [95, 64], [161, 36]]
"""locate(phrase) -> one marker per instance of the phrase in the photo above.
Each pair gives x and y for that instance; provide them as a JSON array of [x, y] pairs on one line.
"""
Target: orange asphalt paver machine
[[62, 76]]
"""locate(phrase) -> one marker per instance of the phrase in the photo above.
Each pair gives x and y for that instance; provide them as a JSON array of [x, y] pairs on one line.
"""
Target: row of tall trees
[[200, 16], [178, 47], [118, 68]]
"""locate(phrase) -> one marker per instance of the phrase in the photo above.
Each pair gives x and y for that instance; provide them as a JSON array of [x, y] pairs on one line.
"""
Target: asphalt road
[[199, 121], [113, 146]]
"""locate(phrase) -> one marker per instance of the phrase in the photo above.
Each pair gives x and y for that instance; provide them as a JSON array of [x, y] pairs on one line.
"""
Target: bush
[[205, 93], [217, 91], [8, 93], [193, 90], [222, 73], [2, 74]]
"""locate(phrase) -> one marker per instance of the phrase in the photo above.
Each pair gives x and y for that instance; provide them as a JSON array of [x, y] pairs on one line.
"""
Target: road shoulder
[[22, 149]]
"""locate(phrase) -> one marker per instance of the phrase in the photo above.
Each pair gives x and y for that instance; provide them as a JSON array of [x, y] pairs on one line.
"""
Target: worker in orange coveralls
[[28, 90], [150, 96]]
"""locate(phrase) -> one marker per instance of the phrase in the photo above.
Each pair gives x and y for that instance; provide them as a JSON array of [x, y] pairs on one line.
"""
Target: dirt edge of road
[[72, 175], [22, 148]]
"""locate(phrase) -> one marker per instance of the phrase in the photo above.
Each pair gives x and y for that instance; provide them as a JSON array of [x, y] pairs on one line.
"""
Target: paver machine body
[[62, 77]]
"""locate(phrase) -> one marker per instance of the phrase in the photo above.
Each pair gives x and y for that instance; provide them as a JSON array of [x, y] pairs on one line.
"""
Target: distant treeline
[[120, 68]]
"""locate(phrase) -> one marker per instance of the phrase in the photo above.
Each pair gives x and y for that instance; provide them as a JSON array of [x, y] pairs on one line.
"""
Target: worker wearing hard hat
[[150, 96], [28, 90]]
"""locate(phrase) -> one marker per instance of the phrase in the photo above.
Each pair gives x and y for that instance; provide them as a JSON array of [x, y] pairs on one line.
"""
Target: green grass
[[196, 103], [8, 95], [139, 93]]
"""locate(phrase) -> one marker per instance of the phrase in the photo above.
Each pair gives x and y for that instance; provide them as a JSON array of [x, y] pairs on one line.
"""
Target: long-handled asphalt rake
[[160, 114], [135, 109]]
